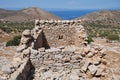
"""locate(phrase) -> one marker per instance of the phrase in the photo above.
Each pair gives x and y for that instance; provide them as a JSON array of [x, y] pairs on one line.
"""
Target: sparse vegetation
[[100, 29], [90, 40], [14, 42], [113, 37], [15, 27]]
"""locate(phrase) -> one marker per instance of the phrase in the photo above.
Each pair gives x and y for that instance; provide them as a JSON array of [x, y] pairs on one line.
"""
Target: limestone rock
[[52, 50], [8, 68], [87, 49], [116, 77], [41, 49], [93, 69], [100, 70], [21, 48], [85, 66], [74, 77], [90, 54], [25, 40], [26, 52], [26, 32], [94, 78]]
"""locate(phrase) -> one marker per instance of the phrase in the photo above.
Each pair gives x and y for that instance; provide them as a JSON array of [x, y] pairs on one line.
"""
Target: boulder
[[74, 76], [85, 66], [41, 49], [93, 69], [26, 32], [21, 48], [94, 78], [52, 50], [87, 49], [100, 70], [26, 52], [25, 40], [90, 54], [8, 69]]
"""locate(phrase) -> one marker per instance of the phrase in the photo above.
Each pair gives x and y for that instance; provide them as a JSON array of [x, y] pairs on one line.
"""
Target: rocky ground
[[67, 71], [64, 63]]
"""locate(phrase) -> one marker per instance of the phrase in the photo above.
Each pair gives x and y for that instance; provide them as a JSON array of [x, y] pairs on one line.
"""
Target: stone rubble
[[33, 61]]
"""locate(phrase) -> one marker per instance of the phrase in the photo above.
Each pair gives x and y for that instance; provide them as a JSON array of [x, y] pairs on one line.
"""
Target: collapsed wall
[[69, 63], [58, 50]]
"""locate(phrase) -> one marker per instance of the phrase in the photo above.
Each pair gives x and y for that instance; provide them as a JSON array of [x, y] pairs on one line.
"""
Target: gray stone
[[100, 70], [87, 49], [52, 50], [90, 54], [93, 69], [58, 56], [26, 32], [21, 48], [83, 54], [74, 76], [41, 49], [26, 52], [8, 69], [85, 66], [94, 78], [116, 77], [25, 40], [4, 77]]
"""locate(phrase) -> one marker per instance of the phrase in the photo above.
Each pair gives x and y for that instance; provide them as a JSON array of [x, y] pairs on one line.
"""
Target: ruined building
[[57, 50]]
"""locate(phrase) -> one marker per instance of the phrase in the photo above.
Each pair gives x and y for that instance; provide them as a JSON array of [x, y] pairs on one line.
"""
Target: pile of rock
[[25, 41], [67, 64], [72, 62]]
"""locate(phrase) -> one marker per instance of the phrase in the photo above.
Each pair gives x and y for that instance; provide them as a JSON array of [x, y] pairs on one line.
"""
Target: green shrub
[[104, 34], [14, 42], [90, 39], [16, 27], [113, 37]]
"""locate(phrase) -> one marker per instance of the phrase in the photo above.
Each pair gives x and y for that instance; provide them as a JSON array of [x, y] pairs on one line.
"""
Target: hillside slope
[[25, 15], [102, 23], [106, 16]]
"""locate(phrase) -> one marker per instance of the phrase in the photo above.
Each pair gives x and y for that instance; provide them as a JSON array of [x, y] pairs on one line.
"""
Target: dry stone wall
[[62, 32], [55, 50], [69, 63]]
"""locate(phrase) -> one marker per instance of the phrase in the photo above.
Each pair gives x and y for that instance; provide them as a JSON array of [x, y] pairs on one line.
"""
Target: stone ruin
[[57, 50]]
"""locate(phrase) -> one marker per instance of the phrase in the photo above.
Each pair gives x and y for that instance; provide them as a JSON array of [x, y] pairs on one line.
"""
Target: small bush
[[104, 34], [113, 37], [14, 42], [90, 39]]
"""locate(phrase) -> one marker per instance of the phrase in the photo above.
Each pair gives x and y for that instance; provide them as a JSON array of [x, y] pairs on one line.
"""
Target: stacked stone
[[81, 36], [17, 69], [60, 63], [25, 40], [63, 32], [57, 21], [67, 64], [20, 65]]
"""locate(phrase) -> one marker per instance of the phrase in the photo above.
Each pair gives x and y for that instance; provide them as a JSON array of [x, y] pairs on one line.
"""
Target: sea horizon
[[67, 14]]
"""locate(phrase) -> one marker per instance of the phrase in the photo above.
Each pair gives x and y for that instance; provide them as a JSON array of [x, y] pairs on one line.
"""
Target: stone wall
[[18, 69], [69, 63], [62, 32]]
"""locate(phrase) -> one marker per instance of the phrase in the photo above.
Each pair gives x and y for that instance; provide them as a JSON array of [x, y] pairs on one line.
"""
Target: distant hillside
[[25, 15], [110, 17], [102, 23]]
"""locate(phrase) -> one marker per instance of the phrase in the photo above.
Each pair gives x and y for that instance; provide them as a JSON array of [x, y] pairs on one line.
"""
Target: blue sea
[[71, 14]]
